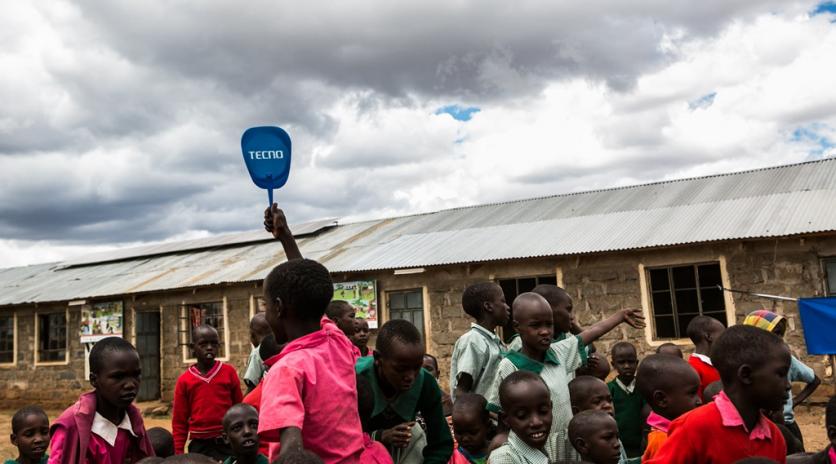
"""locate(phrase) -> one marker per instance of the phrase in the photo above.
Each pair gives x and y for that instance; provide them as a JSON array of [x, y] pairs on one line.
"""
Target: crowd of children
[[317, 394]]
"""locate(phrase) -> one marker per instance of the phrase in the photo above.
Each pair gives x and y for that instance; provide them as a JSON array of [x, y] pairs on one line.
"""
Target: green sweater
[[628, 415], [425, 397]]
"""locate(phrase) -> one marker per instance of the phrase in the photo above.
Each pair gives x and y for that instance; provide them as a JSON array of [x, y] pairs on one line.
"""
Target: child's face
[[361, 333], [118, 381], [401, 367], [205, 346], [769, 385], [683, 395], [32, 438], [527, 410], [601, 445], [596, 398], [534, 323], [625, 361], [499, 307], [562, 313], [241, 431], [346, 321], [430, 366], [471, 430]]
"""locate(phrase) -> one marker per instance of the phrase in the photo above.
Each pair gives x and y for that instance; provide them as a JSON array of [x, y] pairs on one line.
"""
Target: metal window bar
[[675, 313], [7, 342]]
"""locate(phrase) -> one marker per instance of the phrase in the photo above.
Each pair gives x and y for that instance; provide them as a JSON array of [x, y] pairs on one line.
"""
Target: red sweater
[[699, 437], [708, 373], [200, 403]]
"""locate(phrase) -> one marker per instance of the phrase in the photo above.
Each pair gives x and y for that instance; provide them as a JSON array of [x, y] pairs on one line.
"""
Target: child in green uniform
[[554, 362], [627, 400], [30, 435], [527, 412], [402, 389]]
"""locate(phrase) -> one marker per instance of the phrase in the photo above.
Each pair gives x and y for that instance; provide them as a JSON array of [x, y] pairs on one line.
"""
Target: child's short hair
[[581, 385], [303, 285], [336, 308], [742, 344], [552, 293], [623, 346], [151, 460], [434, 359], [399, 329], [830, 413], [105, 345], [663, 346], [23, 413], [268, 347], [698, 327], [656, 372], [298, 456], [473, 401], [513, 379], [584, 422], [233, 409], [162, 440], [476, 294]]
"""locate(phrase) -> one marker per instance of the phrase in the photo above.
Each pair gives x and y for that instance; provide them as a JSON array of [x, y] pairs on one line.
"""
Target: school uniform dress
[[562, 358], [423, 397], [255, 369], [477, 353], [657, 436], [516, 451], [707, 372], [200, 402], [516, 345], [628, 404], [715, 434], [312, 386]]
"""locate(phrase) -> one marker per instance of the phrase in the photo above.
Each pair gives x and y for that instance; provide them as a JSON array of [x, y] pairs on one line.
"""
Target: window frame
[[14, 343], [427, 329], [646, 293], [557, 276], [37, 349], [826, 280], [184, 327]]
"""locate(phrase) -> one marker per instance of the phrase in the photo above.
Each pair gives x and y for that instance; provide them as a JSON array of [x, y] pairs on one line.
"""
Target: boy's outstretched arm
[[633, 317], [276, 224]]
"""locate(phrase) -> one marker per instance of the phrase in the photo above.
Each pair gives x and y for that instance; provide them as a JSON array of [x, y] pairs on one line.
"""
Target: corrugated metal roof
[[781, 201]]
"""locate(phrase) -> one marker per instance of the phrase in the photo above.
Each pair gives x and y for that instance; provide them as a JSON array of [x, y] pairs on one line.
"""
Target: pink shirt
[[832, 455], [312, 386], [658, 422], [374, 452], [731, 418]]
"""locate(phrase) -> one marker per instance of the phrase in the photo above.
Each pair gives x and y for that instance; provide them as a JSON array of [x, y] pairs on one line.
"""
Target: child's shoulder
[[505, 454], [702, 417]]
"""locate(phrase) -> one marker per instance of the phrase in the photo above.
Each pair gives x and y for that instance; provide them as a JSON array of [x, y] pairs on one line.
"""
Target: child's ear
[[831, 433], [516, 325], [580, 445], [225, 437], [660, 398], [93, 380], [744, 374], [503, 419], [13, 439], [575, 410]]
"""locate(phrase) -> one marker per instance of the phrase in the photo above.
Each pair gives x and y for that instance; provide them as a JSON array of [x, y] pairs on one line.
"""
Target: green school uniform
[[562, 358], [425, 397], [477, 352], [516, 451], [628, 414], [43, 460], [260, 459]]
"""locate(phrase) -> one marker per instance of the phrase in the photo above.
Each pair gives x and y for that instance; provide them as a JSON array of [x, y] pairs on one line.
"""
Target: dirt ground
[[810, 419]]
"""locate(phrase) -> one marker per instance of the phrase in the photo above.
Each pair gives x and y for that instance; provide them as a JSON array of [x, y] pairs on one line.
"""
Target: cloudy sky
[[120, 121]]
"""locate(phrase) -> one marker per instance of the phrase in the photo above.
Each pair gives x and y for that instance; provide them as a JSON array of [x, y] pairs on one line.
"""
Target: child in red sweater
[[753, 365], [202, 396], [703, 331]]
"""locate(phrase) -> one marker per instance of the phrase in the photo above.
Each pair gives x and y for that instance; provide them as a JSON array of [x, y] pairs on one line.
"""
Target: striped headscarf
[[763, 319]]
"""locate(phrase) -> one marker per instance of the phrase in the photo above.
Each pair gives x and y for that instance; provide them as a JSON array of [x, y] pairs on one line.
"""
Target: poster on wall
[[101, 320], [362, 295]]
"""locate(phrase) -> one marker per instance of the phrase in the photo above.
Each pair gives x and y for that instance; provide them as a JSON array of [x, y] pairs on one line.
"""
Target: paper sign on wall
[[101, 320], [362, 295]]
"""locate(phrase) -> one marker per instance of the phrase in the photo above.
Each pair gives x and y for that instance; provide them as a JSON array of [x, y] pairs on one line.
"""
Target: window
[[52, 337], [197, 314], [7, 338], [513, 287], [680, 293], [830, 275], [408, 305]]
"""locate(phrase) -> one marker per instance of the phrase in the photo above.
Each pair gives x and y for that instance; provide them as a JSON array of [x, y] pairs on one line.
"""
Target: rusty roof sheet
[[773, 202]]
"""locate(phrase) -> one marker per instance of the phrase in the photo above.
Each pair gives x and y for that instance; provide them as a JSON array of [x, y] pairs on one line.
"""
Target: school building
[[664, 247]]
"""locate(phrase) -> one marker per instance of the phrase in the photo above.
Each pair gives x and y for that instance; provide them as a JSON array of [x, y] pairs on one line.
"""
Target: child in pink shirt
[[309, 397], [103, 427]]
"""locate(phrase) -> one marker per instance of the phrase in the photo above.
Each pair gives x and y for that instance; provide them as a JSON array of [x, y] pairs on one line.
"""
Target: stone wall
[[599, 283]]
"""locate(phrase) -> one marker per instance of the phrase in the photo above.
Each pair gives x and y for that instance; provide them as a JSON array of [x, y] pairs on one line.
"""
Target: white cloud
[[126, 118]]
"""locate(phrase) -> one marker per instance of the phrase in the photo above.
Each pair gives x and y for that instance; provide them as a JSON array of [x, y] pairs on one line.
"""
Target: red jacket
[[699, 437], [71, 433], [708, 373], [200, 403]]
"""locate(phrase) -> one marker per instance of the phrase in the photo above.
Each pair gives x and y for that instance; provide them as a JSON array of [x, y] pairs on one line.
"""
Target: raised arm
[[633, 317], [276, 224]]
